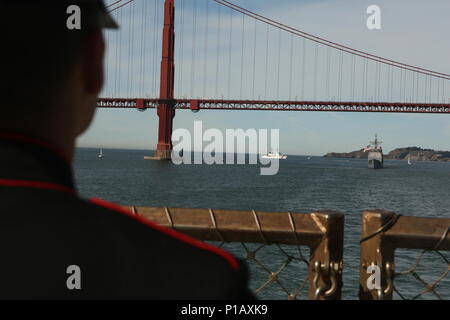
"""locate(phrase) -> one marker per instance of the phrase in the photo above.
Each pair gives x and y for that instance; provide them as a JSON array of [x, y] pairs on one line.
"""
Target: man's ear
[[93, 62]]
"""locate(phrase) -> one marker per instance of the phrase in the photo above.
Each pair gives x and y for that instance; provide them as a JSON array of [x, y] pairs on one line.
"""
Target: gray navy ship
[[375, 157]]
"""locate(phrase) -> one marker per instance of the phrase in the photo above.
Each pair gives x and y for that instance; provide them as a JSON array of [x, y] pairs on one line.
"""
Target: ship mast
[[376, 143]]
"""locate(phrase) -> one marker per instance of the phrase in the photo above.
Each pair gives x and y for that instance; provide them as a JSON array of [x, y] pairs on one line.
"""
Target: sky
[[209, 64]]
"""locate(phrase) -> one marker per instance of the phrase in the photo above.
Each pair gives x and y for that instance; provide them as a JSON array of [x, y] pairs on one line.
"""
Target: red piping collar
[[36, 185], [170, 232], [174, 234], [37, 142]]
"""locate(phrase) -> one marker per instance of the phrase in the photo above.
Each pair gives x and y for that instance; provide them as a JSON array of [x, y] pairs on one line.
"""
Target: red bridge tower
[[166, 108]]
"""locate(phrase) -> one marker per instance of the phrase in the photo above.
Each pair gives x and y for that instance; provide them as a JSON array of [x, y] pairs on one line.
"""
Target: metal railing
[[247, 234], [321, 232], [382, 233]]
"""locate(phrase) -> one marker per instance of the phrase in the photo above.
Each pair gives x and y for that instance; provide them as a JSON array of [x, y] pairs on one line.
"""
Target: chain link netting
[[276, 271], [425, 278], [427, 275]]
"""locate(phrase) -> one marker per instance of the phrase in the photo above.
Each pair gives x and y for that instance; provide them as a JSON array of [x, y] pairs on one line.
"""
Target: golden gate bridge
[[255, 72]]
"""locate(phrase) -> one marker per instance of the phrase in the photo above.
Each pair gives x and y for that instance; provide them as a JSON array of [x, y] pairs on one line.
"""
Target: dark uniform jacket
[[54, 244]]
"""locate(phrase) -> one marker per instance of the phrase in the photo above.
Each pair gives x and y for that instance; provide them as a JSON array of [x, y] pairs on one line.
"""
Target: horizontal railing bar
[[419, 233], [243, 226]]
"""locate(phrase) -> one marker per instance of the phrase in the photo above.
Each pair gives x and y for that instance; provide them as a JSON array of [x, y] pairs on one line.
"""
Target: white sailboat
[[100, 155], [409, 159]]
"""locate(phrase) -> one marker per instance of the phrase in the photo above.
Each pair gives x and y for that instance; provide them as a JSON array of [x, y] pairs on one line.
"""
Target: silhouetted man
[[54, 244]]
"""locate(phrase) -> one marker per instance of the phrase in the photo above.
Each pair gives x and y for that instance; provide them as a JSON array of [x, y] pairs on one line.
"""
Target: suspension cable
[[330, 43], [121, 6]]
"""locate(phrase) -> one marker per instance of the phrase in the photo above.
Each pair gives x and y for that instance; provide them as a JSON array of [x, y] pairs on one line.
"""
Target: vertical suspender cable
[[279, 64], [430, 79], [267, 63], [380, 72], [443, 84], [406, 87], [194, 28], [364, 80], [132, 9], [367, 79], [155, 45], [119, 66], [116, 63], [229, 54], [388, 80], [315, 70], [340, 75], [290, 67], [376, 81], [181, 57], [159, 28], [431, 89], [303, 68], [205, 65], [403, 85], [141, 65], [218, 51], [438, 91], [254, 61], [327, 81], [380, 76], [107, 70], [392, 83], [353, 78], [417, 88], [425, 89], [130, 39], [242, 54]]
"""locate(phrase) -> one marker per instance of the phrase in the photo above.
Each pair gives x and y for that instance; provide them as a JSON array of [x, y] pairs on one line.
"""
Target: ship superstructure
[[375, 157]]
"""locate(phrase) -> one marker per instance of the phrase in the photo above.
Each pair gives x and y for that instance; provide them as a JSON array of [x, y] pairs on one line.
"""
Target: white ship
[[100, 155], [375, 157], [274, 155]]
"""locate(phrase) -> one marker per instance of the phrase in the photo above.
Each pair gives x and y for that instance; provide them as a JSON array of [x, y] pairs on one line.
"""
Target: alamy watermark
[[374, 20], [73, 281], [374, 280], [74, 20], [236, 146]]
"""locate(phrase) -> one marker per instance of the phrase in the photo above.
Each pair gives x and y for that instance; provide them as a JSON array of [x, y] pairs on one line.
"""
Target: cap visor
[[109, 22]]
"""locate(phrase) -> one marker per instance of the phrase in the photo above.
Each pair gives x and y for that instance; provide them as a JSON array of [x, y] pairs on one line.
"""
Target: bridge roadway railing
[[317, 277], [422, 244]]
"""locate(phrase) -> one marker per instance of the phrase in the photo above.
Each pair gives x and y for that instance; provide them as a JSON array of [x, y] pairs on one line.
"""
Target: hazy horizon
[[313, 155]]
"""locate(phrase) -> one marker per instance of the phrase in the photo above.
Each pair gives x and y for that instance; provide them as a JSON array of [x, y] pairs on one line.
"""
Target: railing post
[[326, 261], [376, 250]]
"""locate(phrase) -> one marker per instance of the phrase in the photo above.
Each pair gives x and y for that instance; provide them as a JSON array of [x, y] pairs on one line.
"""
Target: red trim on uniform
[[35, 141], [170, 232], [36, 185]]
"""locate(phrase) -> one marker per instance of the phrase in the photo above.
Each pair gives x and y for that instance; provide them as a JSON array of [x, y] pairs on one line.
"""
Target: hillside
[[415, 153]]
